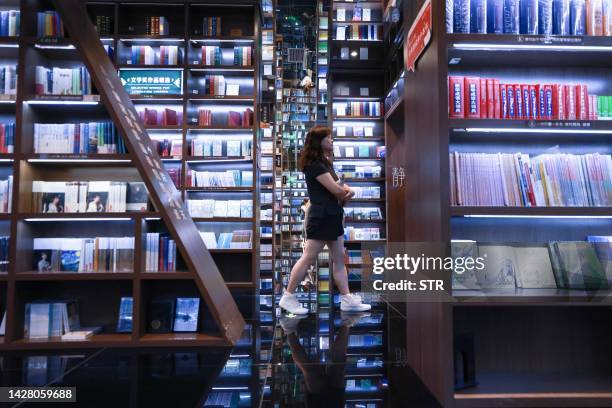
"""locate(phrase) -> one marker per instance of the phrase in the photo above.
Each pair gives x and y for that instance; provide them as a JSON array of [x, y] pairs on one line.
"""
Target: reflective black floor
[[356, 361]]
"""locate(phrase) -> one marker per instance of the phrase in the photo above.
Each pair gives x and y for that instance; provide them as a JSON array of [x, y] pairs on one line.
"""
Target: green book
[[577, 265]]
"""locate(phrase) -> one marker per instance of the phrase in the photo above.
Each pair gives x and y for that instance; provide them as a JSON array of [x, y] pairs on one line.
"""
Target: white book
[[366, 14], [246, 208], [341, 33], [233, 208], [221, 207], [341, 14]]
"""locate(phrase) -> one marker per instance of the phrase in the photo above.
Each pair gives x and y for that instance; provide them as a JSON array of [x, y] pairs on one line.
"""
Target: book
[[534, 269], [576, 266], [124, 321], [82, 334], [603, 249], [187, 313], [137, 196], [161, 315], [463, 277], [500, 267]]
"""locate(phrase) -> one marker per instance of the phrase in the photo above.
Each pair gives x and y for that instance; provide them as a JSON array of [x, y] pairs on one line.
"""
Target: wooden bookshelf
[[512, 329], [20, 284]]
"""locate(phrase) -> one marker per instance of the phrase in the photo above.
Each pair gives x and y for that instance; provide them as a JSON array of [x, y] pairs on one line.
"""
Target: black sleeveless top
[[318, 194]]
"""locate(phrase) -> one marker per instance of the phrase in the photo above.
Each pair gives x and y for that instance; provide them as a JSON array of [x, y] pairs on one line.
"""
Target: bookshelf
[[516, 323], [125, 28]]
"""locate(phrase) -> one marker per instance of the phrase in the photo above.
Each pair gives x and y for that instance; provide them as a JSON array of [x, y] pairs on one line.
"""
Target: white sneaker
[[352, 303], [290, 303]]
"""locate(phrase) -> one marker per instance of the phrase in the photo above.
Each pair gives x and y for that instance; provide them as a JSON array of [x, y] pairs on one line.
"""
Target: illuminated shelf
[[69, 217], [238, 189], [553, 127], [71, 276], [221, 97], [459, 211], [150, 66], [217, 159], [97, 340], [531, 297], [229, 39], [223, 219], [198, 67]]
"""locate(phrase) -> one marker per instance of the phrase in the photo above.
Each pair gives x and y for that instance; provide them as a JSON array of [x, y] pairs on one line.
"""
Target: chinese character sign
[[152, 82], [398, 176]]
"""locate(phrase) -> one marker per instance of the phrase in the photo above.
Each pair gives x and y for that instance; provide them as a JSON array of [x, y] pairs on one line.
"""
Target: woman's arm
[[330, 184]]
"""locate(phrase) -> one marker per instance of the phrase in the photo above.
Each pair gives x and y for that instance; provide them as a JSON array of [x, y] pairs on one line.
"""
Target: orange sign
[[418, 37]]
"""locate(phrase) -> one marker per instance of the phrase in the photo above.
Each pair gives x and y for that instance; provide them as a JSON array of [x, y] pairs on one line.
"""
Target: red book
[[503, 99], [483, 98], [519, 110], [593, 113], [548, 111], [559, 112], [496, 100], [582, 102], [150, 117], [570, 102], [234, 119], [526, 102], [456, 98], [490, 105], [3, 140], [170, 117], [472, 97], [533, 102]]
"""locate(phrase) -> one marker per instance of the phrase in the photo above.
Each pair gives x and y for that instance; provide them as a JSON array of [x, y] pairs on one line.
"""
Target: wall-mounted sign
[[418, 37], [152, 81]]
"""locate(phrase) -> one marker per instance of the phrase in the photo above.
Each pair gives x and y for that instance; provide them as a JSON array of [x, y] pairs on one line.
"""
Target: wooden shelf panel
[[79, 159], [165, 275], [181, 339], [532, 211], [95, 341], [86, 216], [72, 276]]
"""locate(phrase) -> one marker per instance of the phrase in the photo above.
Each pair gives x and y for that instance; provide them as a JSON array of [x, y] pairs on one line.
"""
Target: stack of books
[[4, 254], [366, 192], [367, 108], [164, 117], [103, 25], [518, 180], [9, 23], [47, 319], [168, 147], [361, 234], [371, 32], [7, 138], [213, 147], [100, 254], [160, 253], [356, 171], [211, 55], [239, 239], [62, 81], [211, 26], [78, 138], [147, 55], [228, 178], [210, 208], [362, 213], [49, 24], [88, 196], [157, 25], [8, 80], [6, 195], [243, 56]]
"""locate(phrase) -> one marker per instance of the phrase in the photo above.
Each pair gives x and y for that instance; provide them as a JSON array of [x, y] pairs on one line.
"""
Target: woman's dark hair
[[312, 151]]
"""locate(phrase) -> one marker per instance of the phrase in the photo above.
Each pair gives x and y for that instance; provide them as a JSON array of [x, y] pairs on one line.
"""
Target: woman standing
[[324, 223]]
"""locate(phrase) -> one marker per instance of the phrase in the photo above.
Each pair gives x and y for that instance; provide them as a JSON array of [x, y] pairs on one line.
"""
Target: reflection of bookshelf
[[515, 320], [167, 119]]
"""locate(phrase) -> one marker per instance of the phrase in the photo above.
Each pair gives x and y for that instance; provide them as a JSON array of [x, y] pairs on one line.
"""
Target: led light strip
[[536, 130], [55, 47], [53, 102], [9, 45], [5, 160], [535, 216], [530, 47], [75, 219], [153, 39], [243, 40], [7, 101], [221, 69], [79, 160]]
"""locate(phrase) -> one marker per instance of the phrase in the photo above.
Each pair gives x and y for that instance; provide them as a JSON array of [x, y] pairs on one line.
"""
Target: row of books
[[234, 119], [168, 314], [357, 256], [369, 192], [357, 14], [226, 147], [358, 108], [45, 319], [356, 131], [209, 208], [62, 81], [356, 171], [157, 25], [228, 178], [362, 213], [8, 80], [558, 17], [477, 98], [168, 147], [359, 32], [49, 24], [4, 254], [88, 196], [585, 265], [103, 25], [99, 254], [162, 55], [211, 26], [160, 253], [9, 23], [163, 117], [239, 239], [361, 234], [363, 151], [518, 180], [7, 138], [6, 195], [176, 174], [78, 138], [216, 85]]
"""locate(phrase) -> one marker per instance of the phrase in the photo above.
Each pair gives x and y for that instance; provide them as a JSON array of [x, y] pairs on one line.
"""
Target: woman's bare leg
[[336, 250], [309, 257]]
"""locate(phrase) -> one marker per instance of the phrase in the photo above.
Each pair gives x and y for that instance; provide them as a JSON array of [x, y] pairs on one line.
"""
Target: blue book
[[529, 17], [124, 325], [561, 17], [511, 16], [478, 16], [461, 16], [186, 316], [577, 17], [495, 16], [545, 17]]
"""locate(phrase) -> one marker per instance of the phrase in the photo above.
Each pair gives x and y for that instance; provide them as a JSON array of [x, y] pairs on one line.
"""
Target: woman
[[324, 222]]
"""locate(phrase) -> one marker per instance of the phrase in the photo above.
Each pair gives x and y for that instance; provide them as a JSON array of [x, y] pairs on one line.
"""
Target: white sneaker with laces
[[352, 303], [290, 303]]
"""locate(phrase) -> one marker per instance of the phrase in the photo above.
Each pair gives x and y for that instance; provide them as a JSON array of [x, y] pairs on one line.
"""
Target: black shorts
[[327, 228]]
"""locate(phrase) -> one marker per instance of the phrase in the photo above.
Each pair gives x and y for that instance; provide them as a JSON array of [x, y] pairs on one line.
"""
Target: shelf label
[[152, 81], [418, 37], [550, 39], [558, 124]]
